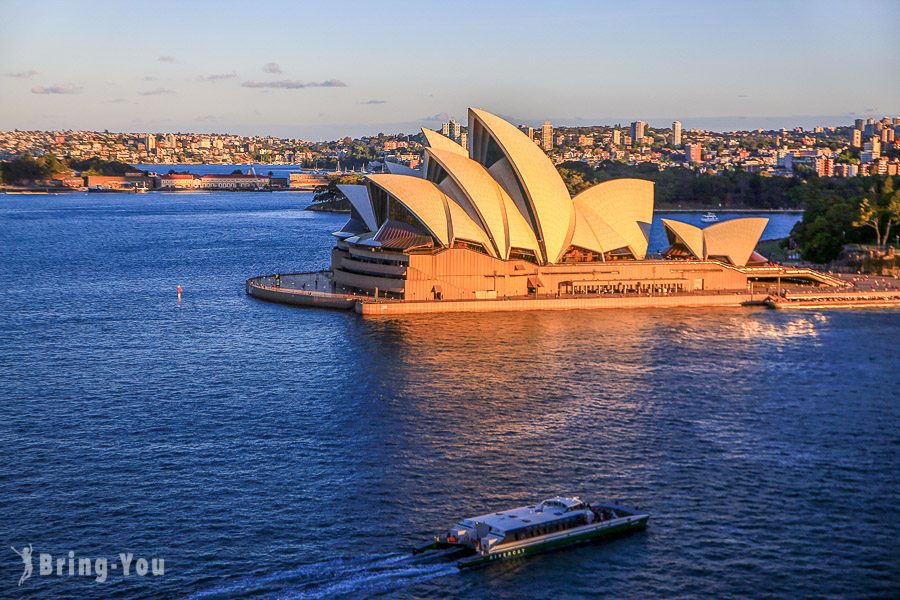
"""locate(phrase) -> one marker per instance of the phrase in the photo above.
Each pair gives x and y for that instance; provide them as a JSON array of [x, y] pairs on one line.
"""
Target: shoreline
[[8, 190]]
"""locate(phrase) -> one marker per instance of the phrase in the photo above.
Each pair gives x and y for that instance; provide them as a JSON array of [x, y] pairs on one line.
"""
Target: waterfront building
[[233, 181], [308, 181], [497, 221], [547, 136], [178, 181], [676, 134]]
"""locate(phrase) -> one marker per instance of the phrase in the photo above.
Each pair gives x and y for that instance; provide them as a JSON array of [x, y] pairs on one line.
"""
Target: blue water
[[207, 169], [269, 451]]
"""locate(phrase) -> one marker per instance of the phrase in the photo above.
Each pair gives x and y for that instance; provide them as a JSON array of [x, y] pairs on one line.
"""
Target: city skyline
[[319, 74]]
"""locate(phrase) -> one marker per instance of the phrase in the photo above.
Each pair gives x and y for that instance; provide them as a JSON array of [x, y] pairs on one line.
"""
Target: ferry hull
[[603, 533]]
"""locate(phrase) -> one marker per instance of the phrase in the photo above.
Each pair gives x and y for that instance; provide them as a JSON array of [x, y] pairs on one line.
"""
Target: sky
[[321, 70]]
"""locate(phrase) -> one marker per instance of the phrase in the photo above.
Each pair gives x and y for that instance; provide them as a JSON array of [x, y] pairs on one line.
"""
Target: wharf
[[318, 290]]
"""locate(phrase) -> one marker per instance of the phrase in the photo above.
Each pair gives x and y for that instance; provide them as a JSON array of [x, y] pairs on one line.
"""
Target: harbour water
[[270, 451]]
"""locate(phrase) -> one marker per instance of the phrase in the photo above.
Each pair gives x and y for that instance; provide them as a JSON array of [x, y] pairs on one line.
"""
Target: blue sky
[[324, 69]]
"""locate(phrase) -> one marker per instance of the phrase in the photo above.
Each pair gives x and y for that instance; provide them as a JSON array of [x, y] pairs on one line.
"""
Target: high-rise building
[[871, 151], [445, 129], [676, 133], [825, 166], [693, 153], [637, 132], [616, 137], [464, 139], [454, 129], [855, 138], [547, 136], [150, 142], [870, 127], [530, 132], [859, 124]]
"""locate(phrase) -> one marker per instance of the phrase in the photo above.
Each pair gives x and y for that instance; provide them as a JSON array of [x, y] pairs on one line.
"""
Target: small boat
[[709, 217], [548, 525]]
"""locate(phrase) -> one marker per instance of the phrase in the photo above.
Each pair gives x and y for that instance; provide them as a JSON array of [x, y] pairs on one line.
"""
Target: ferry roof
[[552, 509]]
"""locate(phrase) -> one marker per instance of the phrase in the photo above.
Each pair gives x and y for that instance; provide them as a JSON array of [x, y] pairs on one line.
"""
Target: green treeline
[[49, 166], [857, 210], [684, 188]]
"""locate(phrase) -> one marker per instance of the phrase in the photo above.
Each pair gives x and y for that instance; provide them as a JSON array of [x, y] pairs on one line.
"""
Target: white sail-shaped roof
[[552, 212], [398, 169], [358, 195], [687, 234], [734, 239], [438, 141], [496, 211], [592, 232], [626, 205], [443, 217]]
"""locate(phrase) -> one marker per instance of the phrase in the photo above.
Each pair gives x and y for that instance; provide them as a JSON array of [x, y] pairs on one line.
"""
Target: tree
[[868, 216], [881, 213]]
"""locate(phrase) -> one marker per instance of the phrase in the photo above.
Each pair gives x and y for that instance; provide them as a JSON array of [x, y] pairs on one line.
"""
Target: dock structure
[[835, 299], [319, 290]]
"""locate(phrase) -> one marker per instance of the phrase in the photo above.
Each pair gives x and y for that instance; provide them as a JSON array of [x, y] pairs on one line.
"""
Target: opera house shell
[[496, 220]]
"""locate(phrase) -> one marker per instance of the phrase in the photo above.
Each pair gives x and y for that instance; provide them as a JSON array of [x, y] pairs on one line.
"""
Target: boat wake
[[359, 576]]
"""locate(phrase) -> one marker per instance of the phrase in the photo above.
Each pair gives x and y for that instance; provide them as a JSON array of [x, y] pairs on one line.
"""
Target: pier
[[318, 290]]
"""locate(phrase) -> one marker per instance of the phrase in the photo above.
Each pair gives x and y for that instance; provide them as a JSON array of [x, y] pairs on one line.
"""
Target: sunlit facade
[[496, 220]]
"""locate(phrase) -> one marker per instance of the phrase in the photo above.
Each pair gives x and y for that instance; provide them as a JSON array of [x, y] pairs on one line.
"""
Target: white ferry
[[548, 525], [709, 217]]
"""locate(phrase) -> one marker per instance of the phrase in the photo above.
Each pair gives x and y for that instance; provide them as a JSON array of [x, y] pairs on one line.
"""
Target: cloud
[[22, 74], [66, 88], [272, 68], [166, 59], [290, 84], [117, 101], [157, 92], [207, 118], [374, 102], [218, 76], [441, 116], [149, 78]]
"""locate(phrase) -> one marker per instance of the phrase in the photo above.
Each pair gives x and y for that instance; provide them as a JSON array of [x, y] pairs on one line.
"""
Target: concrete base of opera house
[[318, 290]]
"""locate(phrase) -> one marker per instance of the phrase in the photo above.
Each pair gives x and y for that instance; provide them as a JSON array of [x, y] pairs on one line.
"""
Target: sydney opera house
[[495, 220]]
